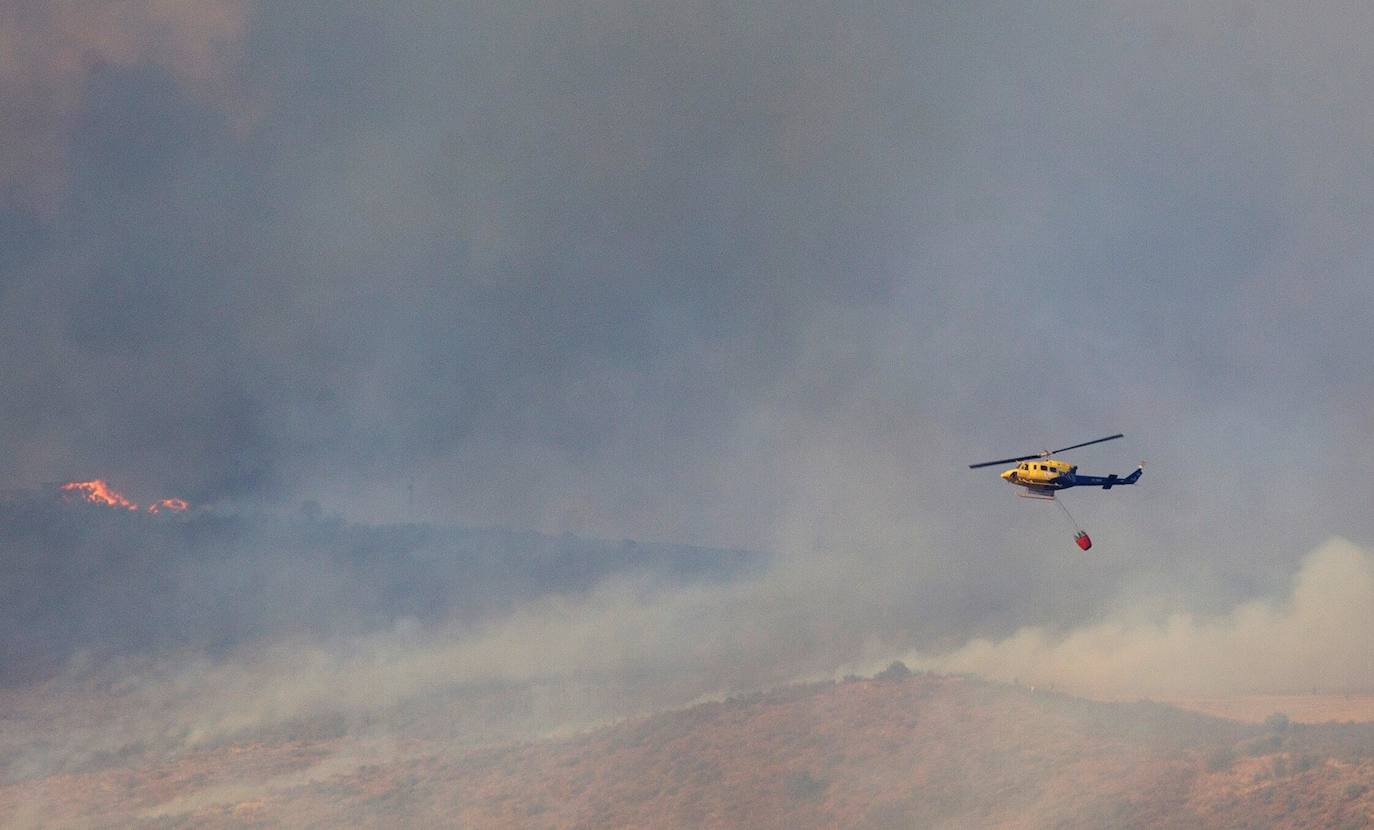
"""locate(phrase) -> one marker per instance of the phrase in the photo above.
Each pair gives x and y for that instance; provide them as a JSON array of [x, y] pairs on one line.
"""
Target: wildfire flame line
[[97, 491]]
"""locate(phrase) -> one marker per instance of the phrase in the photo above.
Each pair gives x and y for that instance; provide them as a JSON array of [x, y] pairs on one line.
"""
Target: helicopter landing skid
[[1046, 496]]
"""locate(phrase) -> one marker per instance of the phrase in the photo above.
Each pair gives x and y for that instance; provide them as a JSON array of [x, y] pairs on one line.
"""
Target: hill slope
[[880, 754]]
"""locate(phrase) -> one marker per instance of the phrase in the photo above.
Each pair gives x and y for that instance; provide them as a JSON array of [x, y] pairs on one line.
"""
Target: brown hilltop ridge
[[919, 751], [927, 751]]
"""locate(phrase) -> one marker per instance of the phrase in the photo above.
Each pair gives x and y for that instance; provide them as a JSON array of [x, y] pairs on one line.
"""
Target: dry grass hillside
[[900, 752]]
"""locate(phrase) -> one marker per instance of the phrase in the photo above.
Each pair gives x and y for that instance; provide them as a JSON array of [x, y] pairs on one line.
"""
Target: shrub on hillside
[[1261, 746], [896, 671], [803, 787], [1279, 767], [1221, 759]]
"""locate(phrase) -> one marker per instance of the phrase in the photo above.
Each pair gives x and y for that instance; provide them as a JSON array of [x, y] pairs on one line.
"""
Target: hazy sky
[[756, 274]]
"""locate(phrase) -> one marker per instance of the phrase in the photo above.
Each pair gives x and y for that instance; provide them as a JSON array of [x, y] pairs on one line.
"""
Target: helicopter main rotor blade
[[1086, 443], [1004, 461], [1046, 453]]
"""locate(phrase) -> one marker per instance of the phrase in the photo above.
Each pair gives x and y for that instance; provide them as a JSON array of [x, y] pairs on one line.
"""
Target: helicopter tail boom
[[1107, 482], [1114, 479]]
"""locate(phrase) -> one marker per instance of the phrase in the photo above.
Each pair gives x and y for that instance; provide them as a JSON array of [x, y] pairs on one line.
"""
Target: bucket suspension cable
[[1080, 536], [1067, 514]]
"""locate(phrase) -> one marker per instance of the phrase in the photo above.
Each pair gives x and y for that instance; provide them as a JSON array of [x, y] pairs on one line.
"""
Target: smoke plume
[[1317, 637]]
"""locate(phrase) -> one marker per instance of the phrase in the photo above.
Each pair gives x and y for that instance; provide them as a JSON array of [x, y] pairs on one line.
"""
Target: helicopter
[[1042, 476]]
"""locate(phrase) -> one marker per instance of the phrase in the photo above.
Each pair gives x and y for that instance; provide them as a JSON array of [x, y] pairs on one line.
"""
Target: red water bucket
[[1081, 539]]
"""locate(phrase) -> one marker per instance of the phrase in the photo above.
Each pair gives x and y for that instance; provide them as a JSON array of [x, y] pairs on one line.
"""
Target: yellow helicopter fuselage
[[1043, 472]]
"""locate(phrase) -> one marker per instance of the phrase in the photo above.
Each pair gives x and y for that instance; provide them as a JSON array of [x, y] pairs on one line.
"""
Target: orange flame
[[97, 491]]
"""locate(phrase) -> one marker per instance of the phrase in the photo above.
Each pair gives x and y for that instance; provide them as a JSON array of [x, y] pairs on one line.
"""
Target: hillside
[[85, 578], [923, 751]]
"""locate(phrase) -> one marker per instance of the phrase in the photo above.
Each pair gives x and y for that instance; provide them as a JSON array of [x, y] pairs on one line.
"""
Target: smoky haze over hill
[[109, 582], [162, 634]]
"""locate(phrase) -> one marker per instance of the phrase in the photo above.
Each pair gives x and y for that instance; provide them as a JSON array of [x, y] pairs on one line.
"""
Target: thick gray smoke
[[99, 583], [50, 50], [1317, 637]]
